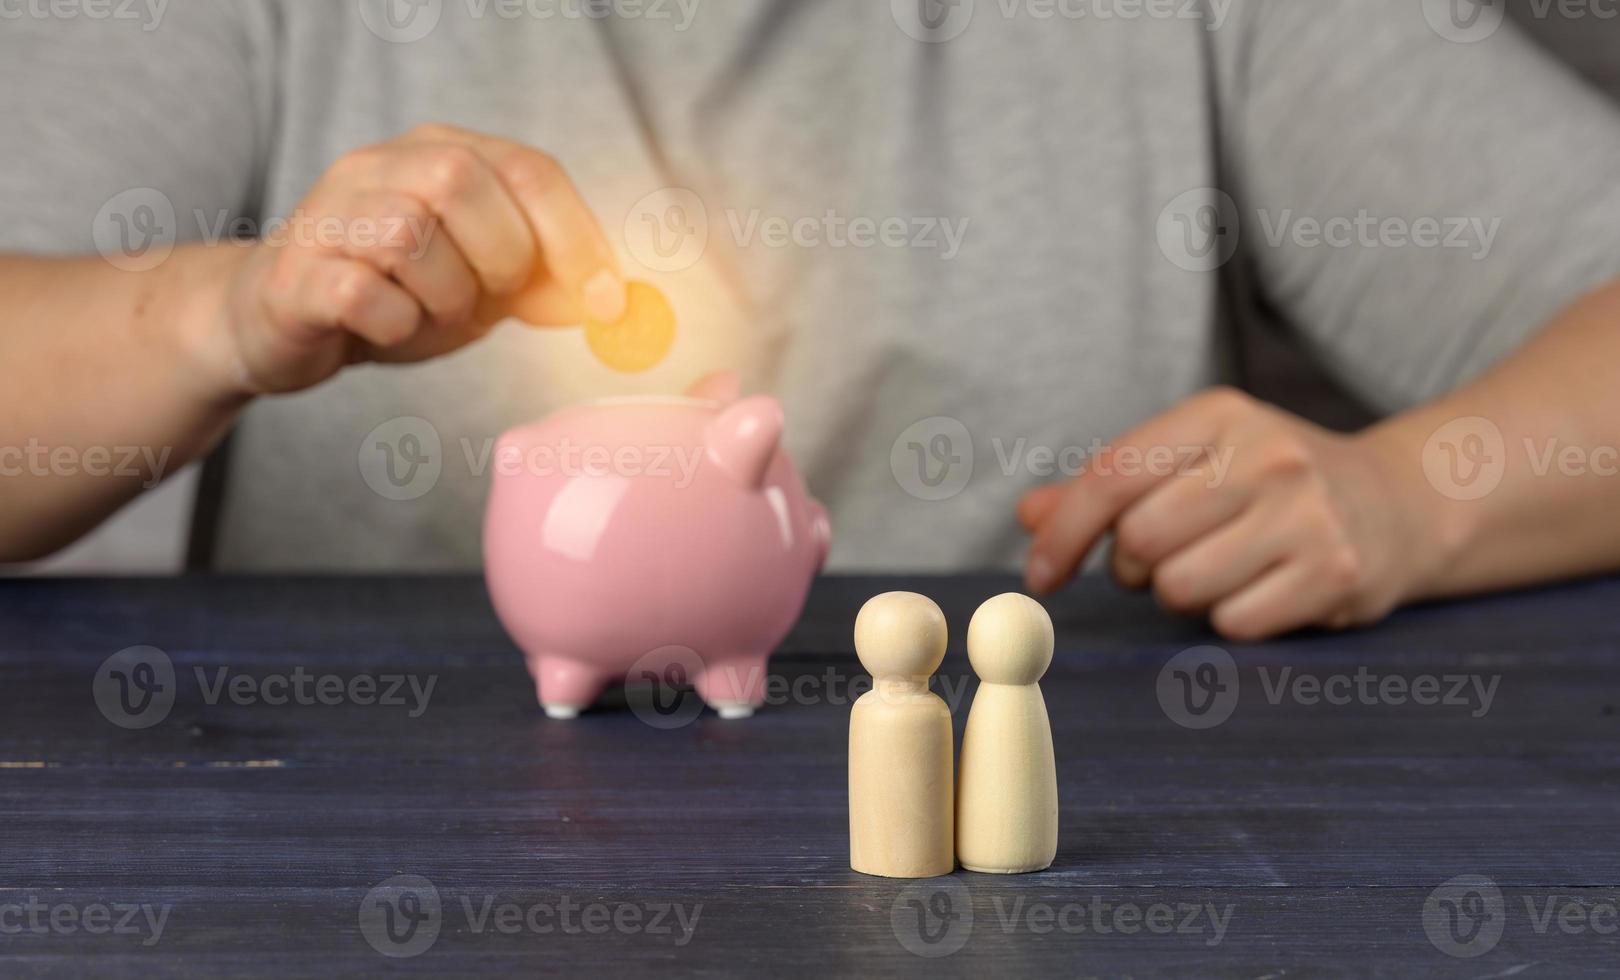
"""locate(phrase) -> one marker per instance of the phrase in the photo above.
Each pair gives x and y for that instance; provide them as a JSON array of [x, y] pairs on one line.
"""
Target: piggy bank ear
[[742, 440], [721, 386]]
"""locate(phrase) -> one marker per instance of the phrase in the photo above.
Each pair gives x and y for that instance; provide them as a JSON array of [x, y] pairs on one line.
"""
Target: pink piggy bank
[[626, 534]]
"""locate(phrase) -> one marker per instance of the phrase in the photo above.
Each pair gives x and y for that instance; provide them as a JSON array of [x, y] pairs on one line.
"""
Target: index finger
[[1096, 498]]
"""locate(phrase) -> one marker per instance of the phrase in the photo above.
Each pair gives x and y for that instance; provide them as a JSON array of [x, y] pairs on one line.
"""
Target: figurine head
[[900, 634], [1010, 640]]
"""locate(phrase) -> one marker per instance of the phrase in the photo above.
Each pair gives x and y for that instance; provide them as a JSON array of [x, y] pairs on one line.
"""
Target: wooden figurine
[[900, 792], [1007, 803]]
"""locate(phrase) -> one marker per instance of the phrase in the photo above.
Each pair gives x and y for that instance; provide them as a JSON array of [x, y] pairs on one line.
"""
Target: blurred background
[[158, 534], [1277, 370]]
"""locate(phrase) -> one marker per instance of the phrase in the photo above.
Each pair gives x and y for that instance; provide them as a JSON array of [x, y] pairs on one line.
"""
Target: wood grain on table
[[1474, 836]]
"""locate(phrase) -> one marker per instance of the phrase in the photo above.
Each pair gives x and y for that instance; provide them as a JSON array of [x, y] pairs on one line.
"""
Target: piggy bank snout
[[820, 531]]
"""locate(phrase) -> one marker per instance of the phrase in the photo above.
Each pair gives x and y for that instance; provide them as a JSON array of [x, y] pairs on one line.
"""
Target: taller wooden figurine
[[900, 789], [1007, 803]]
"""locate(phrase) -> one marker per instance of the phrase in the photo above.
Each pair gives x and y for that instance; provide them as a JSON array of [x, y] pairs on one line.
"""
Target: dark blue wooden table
[[352, 778]]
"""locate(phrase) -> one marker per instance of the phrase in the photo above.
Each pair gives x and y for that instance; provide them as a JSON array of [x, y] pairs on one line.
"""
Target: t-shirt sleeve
[[1420, 190], [132, 121]]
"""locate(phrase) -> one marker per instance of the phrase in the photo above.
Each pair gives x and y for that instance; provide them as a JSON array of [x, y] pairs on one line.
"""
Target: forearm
[[1553, 514], [110, 381]]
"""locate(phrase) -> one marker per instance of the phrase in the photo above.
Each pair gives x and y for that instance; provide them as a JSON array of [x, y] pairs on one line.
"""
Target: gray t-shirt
[[964, 242]]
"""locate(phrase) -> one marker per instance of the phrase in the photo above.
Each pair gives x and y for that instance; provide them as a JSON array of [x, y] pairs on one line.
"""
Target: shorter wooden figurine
[[900, 791]]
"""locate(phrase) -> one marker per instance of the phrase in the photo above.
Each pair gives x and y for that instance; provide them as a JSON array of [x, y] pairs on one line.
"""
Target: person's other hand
[[1260, 519], [410, 249]]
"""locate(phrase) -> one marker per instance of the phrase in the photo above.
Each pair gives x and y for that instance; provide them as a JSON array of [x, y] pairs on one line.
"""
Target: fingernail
[[605, 298], [1039, 574]]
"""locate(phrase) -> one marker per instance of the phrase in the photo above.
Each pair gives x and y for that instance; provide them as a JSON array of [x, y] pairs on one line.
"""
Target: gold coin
[[641, 338]]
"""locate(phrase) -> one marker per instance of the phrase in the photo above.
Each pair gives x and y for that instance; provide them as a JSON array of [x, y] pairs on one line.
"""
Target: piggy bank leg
[[733, 687], [565, 687]]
